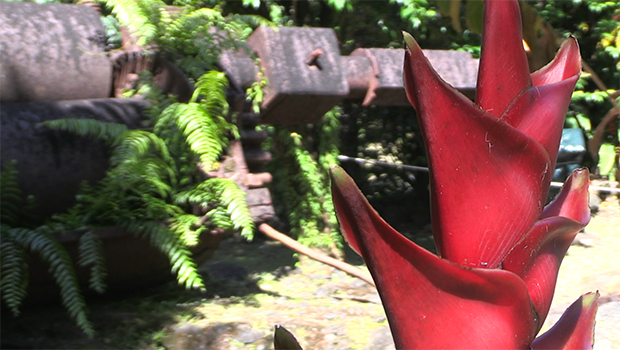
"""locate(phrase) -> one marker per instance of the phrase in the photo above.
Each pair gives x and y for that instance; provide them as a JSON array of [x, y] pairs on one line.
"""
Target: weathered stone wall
[[52, 52], [52, 164]]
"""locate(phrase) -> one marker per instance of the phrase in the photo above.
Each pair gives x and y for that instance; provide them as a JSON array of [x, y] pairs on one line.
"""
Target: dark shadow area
[[132, 318]]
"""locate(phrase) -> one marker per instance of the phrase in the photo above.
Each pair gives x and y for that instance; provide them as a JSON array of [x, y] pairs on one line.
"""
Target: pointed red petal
[[566, 64], [538, 256], [574, 330], [540, 111], [488, 179], [572, 201], [432, 303], [504, 72]]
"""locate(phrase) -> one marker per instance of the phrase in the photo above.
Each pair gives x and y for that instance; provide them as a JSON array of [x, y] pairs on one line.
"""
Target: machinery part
[[52, 52]]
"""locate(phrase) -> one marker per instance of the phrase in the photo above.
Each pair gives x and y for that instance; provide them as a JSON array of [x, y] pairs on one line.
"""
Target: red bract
[[491, 165], [490, 171]]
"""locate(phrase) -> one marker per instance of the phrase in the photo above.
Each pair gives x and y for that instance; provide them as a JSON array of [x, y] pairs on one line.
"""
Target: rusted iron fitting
[[307, 76]]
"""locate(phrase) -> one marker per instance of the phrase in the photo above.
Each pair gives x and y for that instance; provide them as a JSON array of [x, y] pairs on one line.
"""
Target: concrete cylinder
[[52, 52], [52, 164]]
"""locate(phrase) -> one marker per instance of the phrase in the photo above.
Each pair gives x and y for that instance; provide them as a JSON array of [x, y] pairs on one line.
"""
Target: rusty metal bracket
[[307, 76], [303, 68], [373, 83]]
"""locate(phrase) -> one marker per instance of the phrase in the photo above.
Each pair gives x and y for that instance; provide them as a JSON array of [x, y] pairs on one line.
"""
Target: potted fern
[[157, 189]]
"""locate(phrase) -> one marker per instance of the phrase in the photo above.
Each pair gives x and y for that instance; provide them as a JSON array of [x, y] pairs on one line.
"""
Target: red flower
[[491, 165]]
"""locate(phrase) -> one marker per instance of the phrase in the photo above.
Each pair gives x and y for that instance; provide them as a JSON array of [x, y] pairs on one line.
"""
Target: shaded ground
[[252, 287]]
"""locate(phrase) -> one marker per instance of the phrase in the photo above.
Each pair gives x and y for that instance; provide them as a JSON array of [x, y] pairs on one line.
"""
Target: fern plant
[[301, 181], [190, 35], [153, 186], [17, 243]]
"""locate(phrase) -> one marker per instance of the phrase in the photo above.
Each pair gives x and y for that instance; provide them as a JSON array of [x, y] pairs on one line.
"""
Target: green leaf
[[162, 238], [60, 266], [90, 250], [607, 160], [105, 131]]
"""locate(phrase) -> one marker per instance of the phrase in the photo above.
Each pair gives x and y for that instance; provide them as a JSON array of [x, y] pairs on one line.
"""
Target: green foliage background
[[155, 189], [302, 157], [451, 24]]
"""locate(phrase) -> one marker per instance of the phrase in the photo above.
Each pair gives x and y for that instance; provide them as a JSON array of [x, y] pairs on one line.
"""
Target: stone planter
[[132, 263]]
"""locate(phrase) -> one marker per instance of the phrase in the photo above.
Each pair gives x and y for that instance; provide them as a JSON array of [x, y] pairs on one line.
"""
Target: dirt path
[[327, 309], [593, 264], [254, 286]]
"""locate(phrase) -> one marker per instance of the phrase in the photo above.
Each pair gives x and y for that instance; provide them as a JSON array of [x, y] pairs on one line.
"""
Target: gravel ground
[[592, 264], [327, 309], [252, 287]]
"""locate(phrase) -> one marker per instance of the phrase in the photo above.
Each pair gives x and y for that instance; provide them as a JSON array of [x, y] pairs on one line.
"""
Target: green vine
[[301, 180]]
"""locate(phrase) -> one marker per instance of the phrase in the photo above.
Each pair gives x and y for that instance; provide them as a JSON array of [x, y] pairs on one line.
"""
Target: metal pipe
[[424, 169], [377, 162]]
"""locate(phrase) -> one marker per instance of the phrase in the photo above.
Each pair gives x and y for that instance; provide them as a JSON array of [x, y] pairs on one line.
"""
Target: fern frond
[[302, 183], [147, 175], [104, 131], [159, 209], [10, 194], [187, 227], [234, 200], [253, 21], [164, 16], [231, 197], [167, 118], [194, 196], [90, 250], [193, 21], [60, 266], [204, 135], [218, 217], [211, 87], [229, 207], [136, 144], [14, 281], [167, 242], [139, 16], [329, 140]]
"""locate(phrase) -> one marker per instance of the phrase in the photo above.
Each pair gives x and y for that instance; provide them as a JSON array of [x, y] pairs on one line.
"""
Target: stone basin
[[131, 262]]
